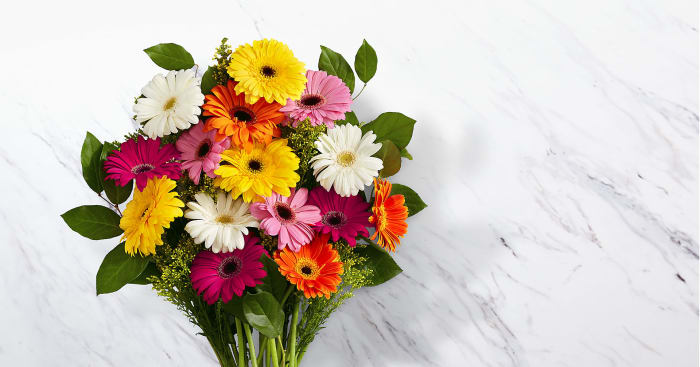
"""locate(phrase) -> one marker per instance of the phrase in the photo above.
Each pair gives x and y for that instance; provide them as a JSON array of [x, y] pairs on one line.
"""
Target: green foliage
[[274, 282], [318, 310], [90, 161], [95, 222], [263, 312], [301, 139], [208, 81], [334, 63], [379, 263], [413, 202], [170, 56], [222, 56], [350, 118], [391, 158], [406, 154], [115, 193], [365, 62], [393, 126], [117, 269], [151, 270]]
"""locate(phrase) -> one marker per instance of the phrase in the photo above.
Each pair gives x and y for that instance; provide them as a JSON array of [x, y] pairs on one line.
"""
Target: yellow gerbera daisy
[[257, 173], [267, 69], [148, 213]]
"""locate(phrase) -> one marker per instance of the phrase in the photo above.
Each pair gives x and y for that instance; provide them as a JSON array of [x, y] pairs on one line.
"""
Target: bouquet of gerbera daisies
[[261, 202]]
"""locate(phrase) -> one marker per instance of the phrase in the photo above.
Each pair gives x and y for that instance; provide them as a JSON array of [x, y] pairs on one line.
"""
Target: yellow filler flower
[[267, 69], [148, 213]]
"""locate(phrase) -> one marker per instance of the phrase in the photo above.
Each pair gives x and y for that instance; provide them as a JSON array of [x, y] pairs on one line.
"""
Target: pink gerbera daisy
[[200, 151], [142, 160], [288, 218], [325, 100], [222, 275], [344, 217]]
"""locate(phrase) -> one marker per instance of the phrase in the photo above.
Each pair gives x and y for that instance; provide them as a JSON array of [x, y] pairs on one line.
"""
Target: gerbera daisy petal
[[388, 216], [325, 100], [288, 217]]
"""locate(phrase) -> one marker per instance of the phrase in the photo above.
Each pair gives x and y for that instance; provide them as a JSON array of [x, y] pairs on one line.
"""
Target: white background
[[556, 144]]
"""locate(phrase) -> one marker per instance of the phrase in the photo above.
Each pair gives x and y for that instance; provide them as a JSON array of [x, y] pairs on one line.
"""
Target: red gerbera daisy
[[142, 160]]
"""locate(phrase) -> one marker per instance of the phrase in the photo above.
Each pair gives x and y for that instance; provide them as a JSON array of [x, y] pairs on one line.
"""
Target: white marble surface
[[557, 144]]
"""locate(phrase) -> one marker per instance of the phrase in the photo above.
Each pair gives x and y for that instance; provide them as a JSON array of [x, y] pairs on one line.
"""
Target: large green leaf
[[365, 62], [170, 56], [95, 222], [393, 126], [208, 81], [334, 63], [379, 262], [413, 202], [115, 193], [274, 282], [350, 118], [118, 268], [90, 160], [235, 306], [406, 154], [391, 158], [263, 312], [150, 270]]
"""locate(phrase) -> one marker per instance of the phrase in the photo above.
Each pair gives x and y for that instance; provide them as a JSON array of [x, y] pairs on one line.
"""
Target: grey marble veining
[[556, 143]]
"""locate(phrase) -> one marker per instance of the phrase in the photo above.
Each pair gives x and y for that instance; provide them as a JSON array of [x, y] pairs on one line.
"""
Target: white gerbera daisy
[[346, 161], [219, 225], [170, 103]]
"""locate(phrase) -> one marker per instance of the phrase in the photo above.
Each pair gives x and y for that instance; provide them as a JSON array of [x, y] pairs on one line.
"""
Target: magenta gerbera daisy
[[344, 217], [222, 275], [325, 100], [142, 160], [200, 151], [288, 218]]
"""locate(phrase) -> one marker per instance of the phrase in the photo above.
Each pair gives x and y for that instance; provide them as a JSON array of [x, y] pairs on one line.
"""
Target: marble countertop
[[556, 143]]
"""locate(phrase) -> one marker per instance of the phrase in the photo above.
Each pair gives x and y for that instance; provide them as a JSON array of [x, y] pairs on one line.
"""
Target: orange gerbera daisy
[[315, 269], [388, 215], [244, 123]]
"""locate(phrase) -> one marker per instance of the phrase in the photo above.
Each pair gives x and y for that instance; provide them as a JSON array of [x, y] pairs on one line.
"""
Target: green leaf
[[263, 312], [274, 282], [334, 63], [391, 158], [150, 270], [95, 222], [413, 202], [117, 269], [365, 62], [115, 193], [170, 56], [406, 154], [350, 118], [90, 159], [393, 126], [208, 81], [235, 306], [380, 262]]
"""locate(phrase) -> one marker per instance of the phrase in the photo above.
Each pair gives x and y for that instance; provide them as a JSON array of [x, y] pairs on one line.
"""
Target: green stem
[[273, 352], [293, 336], [262, 342], [279, 340], [287, 293], [241, 342], [301, 355], [251, 345], [360, 92]]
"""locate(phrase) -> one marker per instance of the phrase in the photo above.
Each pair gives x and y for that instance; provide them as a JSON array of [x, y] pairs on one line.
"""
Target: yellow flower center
[[169, 104], [346, 159], [224, 219], [380, 218], [307, 268]]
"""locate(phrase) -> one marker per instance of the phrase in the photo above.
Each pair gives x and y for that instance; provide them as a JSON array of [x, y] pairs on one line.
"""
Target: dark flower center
[[203, 150], [267, 71], [230, 267], [141, 168], [244, 115], [311, 100], [254, 165], [306, 270], [334, 219], [284, 211]]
